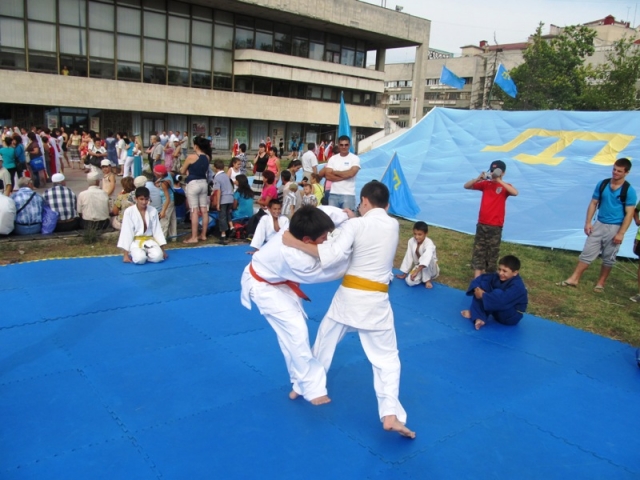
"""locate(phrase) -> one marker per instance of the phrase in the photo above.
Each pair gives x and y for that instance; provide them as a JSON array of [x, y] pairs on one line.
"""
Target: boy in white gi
[[420, 263], [362, 301], [270, 224], [141, 235], [272, 280]]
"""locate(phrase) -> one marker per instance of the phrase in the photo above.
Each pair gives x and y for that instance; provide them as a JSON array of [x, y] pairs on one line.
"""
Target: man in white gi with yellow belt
[[362, 301], [272, 281], [141, 235]]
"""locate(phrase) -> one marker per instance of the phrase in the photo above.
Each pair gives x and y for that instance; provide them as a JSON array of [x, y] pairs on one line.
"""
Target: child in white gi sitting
[[269, 225], [420, 264], [141, 236]]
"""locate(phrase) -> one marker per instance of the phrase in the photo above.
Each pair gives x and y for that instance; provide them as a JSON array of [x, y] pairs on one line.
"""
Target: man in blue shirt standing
[[615, 200]]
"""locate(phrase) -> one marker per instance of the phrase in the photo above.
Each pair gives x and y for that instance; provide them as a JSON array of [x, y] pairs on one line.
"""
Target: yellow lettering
[[615, 143], [396, 180]]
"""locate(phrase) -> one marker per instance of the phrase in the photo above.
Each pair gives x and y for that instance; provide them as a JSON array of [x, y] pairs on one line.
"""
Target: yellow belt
[[141, 239], [358, 283]]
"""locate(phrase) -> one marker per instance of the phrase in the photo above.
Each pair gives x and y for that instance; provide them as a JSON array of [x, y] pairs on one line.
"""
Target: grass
[[610, 313]]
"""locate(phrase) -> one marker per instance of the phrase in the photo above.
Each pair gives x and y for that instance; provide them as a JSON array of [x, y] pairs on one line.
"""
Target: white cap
[[57, 178], [105, 163], [140, 181]]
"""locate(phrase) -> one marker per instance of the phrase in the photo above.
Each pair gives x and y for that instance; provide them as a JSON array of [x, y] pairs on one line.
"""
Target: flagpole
[[388, 165]]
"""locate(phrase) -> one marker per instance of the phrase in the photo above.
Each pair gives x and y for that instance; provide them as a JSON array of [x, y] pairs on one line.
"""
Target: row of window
[[436, 81], [398, 83], [447, 95], [399, 111]]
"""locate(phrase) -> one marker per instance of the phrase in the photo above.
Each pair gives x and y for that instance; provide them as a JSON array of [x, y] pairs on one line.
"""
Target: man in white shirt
[[341, 170], [362, 301], [309, 161]]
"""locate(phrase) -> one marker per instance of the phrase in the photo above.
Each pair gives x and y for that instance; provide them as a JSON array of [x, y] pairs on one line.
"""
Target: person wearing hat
[[141, 236], [166, 209], [93, 204], [62, 200], [486, 246], [5, 180]]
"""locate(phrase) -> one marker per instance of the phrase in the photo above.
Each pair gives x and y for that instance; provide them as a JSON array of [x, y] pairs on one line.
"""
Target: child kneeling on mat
[[420, 264], [141, 235], [501, 294]]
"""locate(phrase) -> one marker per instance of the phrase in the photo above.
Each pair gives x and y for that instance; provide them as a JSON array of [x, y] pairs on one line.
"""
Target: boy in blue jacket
[[501, 294]]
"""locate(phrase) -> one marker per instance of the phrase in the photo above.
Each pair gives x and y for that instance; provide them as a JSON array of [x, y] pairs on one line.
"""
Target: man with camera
[[486, 246]]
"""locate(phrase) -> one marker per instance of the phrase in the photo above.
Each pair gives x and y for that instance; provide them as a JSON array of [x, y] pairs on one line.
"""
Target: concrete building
[[477, 65], [244, 69]]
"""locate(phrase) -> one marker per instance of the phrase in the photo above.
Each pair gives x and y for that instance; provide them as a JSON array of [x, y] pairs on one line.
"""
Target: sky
[[455, 23]]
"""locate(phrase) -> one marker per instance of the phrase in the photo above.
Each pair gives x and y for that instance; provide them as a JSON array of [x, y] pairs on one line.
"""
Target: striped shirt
[[62, 200], [32, 213]]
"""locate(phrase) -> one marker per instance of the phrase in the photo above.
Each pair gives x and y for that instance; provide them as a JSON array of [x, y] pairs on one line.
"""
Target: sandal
[[564, 283], [598, 289]]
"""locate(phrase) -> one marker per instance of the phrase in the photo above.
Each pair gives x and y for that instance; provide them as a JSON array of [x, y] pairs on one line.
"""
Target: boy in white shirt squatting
[[362, 301], [141, 235], [272, 281], [420, 263]]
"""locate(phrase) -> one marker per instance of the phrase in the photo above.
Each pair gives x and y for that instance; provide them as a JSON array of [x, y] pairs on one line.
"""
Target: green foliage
[[613, 84], [555, 75]]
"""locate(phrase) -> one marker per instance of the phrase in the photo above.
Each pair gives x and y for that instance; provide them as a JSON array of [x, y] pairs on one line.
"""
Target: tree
[[613, 84], [553, 75]]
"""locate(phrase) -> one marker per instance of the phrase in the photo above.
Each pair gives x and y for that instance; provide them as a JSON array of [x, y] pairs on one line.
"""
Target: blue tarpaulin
[[553, 158]]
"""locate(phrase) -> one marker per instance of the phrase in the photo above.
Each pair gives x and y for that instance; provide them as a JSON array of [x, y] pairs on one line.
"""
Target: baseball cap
[[160, 169], [140, 181], [57, 178], [497, 164], [105, 163]]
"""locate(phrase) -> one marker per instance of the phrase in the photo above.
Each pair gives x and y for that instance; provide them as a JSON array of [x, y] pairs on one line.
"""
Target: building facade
[[477, 65], [245, 69]]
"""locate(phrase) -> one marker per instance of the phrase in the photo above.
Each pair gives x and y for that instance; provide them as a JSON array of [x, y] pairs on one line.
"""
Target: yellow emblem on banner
[[396, 180], [615, 143]]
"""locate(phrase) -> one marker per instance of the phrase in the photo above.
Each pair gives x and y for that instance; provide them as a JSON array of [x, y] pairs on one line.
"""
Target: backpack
[[623, 193]]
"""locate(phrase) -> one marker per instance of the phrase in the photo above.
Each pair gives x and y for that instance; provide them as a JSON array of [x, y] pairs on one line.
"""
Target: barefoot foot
[[428, 284], [190, 240], [465, 313], [391, 424], [478, 324], [320, 400], [293, 395]]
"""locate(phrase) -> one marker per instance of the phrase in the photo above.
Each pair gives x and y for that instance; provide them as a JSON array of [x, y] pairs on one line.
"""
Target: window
[[42, 36], [243, 84], [44, 10], [300, 44], [154, 74], [129, 21], [244, 38], [179, 29], [71, 12], [12, 9], [222, 61], [154, 51], [202, 33], [314, 92], [433, 81], [11, 33], [42, 62], [262, 86], [155, 25], [282, 38], [316, 45], [200, 79], [222, 82], [129, 71], [129, 48], [223, 37], [101, 16], [101, 44], [73, 40], [179, 55], [101, 68], [201, 58], [281, 89], [264, 36]]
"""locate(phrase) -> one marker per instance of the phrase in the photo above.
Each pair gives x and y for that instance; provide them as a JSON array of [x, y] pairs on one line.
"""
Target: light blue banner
[[553, 158]]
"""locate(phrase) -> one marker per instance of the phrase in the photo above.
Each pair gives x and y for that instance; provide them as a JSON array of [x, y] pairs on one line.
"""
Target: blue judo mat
[[118, 371]]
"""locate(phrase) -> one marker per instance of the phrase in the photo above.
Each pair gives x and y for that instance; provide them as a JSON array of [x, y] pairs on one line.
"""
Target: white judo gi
[[264, 229], [143, 244], [373, 238], [424, 255], [283, 309]]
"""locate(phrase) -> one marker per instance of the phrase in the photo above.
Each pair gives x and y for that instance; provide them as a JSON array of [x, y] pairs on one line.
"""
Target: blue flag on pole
[[449, 78], [344, 127], [505, 82], [401, 201]]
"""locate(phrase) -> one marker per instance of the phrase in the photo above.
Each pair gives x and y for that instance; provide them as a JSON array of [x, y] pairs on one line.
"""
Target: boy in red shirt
[[486, 247]]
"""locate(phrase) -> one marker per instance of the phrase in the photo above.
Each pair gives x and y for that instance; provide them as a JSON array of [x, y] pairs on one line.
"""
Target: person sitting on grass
[[420, 263], [501, 294], [141, 235]]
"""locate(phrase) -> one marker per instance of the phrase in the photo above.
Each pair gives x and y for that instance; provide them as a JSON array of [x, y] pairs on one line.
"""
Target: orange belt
[[292, 285]]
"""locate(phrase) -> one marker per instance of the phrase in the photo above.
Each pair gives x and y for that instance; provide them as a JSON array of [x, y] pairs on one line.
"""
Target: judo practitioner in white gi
[[362, 301], [272, 280], [141, 235], [270, 224], [420, 263]]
